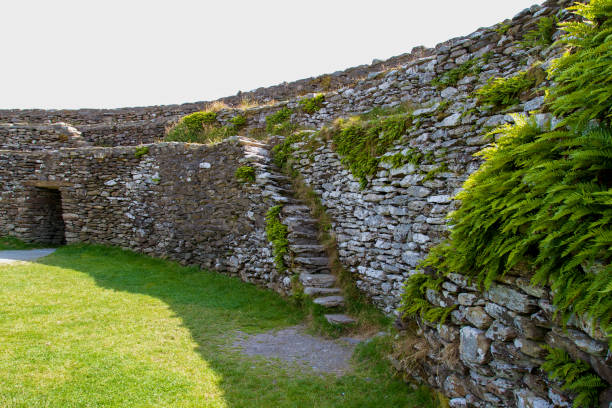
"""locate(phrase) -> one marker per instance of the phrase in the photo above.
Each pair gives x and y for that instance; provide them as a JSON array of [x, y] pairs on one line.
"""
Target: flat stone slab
[[340, 319], [12, 256], [294, 345], [330, 301], [320, 280]]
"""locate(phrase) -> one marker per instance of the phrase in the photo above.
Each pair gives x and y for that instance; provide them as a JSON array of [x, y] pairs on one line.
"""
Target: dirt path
[[294, 345], [12, 256]]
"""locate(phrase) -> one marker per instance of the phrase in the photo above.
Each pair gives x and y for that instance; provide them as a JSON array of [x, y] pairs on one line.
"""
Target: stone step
[[309, 241], [296, 209], [339, 319], [251, 142], [314, 248], [308, 250], [275, 177], [301, 233], [256, 150], [313, 291], [296, 239], [277, 189], [320, 280], [330, 301], [314, 261], [299, 221], [250, 157], [311, 269]]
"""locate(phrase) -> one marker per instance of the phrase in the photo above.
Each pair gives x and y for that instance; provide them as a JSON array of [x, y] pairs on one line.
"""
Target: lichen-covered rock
[[512, 299], [527, 399], [478, 317], [474, 346]]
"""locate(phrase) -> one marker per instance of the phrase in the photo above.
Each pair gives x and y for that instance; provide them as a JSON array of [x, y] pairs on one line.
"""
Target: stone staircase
[[307, 257], [310, 261]]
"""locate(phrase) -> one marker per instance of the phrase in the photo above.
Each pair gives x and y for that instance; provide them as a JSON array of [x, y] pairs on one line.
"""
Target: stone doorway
[[44, 208]]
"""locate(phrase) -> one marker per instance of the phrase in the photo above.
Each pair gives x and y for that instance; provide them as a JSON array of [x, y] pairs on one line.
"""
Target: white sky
[[109, 53]]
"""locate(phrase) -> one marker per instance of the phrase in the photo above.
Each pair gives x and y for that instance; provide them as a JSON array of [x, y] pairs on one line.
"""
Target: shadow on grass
[[212, 307]]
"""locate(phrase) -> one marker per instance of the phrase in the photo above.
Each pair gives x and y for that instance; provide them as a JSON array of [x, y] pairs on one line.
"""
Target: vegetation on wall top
[[204, 127]]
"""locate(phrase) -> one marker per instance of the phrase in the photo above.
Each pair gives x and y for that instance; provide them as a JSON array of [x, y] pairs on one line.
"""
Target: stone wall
[[39, 137], [183, 202], [176, 200], [490, 350]]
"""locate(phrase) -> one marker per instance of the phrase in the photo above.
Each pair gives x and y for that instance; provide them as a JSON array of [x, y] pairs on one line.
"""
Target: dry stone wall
[[39, 137], [489, 352], [171, 200], [184, 202]]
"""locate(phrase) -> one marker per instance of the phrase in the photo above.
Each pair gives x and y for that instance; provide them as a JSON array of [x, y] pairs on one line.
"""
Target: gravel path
[[294, 345], [9, 257]]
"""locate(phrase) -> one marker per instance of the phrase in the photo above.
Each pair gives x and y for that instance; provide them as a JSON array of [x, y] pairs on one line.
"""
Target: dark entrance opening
[[46, 209]]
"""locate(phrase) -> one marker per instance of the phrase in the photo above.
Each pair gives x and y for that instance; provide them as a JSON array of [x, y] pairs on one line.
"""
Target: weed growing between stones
[[406, 156], [238, 122], [415, 300], [245, 174], [541, 36], [281, 153], [576, 376], [297, 297], [141, 151], [500, 93], [277, 233], [454, 75], [502, 28], [362, 143], [279, 123], [431, 174], [312, 105]]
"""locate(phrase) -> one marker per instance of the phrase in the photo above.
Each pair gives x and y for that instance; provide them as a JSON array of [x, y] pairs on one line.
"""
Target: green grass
[[8, 243], [92, 326]]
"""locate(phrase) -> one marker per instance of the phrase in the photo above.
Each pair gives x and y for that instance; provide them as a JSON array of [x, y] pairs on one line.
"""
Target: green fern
[[415, 303], [577, 377], [504, 92], [541, 36], [584, 77], [544, 196]]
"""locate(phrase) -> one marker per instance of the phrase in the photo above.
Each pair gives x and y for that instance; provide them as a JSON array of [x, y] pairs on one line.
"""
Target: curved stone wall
[[184, 202]]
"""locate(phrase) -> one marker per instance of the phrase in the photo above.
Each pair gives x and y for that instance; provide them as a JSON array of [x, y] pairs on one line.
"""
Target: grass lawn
[[92, 326]]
